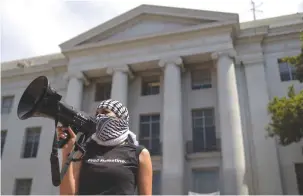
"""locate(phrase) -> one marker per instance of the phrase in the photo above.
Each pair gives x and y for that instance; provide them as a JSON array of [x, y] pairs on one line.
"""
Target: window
[[150, 133], [23, 186], [156, 183], [287, 71], [32, 137], [150, 86], [103, 91], [204, 134], [205, 181], [299, 174], [7, 103], [201, 79], [3, 138]]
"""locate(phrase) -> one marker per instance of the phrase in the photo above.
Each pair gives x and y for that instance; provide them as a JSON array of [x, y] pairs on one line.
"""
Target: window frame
[[150, 136], [201, 79], [201, 170], [27, 180], [105, 88], [203, 128], [34, 145], [289, 72], [146, 89], [6, 109]]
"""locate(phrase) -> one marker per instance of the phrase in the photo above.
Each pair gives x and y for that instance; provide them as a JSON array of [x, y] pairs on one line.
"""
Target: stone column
[[267, 162], [233, 158], [119, 90], [172, 141], [74, 93]]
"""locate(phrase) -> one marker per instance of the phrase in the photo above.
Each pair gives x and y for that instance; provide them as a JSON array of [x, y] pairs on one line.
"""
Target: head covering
[[111, 131], [116, 107]]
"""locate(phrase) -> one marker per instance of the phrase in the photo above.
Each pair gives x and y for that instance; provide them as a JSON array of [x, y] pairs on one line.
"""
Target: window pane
[[283, 67], [155, 90], [155, 130], [198, 141], [144, 118], [287, 71], [197, 113], [285, 77], [201, 79], [151, 86], [6, 105], [211, 139], [31, 144], [156, 147], [209, 121], [144, 130], [208, 112], [155, 118], [198, 122], [23, 186], [205, 182], [103, 91]]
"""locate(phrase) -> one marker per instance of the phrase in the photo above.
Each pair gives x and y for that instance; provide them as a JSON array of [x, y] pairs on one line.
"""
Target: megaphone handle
[[62, 141]]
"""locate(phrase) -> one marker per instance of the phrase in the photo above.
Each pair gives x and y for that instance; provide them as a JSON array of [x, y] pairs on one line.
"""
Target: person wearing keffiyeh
[[115, 130], [115, 163]]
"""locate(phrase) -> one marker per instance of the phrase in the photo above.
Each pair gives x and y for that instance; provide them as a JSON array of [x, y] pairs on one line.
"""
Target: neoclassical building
[[196, 83]]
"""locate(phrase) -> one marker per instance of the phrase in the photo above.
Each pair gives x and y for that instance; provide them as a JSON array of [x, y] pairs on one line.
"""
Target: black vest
[[109, 170]]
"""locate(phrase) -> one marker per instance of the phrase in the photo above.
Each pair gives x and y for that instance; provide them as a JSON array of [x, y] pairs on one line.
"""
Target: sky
[[37, 27]]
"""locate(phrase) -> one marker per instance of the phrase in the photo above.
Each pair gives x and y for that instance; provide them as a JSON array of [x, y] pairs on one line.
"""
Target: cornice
[[31, 70], [252, 35], [215, 27], [264, 34]]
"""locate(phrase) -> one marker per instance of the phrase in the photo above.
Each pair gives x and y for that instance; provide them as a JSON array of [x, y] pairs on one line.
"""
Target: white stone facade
[[172, 45]]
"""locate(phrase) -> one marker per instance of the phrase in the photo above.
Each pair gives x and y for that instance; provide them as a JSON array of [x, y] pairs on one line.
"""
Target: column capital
[[231, 53], [119, 68], [171, 60], [76, 74]]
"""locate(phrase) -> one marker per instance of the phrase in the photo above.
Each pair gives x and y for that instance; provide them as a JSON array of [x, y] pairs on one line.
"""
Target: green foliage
[[297, 61], [287, 117], [287, 112]]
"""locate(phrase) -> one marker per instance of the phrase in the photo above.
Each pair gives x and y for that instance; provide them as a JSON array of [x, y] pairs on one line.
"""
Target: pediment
[[145, 21]]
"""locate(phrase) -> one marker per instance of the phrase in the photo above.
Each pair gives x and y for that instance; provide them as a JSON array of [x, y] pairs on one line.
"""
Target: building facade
[[196, 84]]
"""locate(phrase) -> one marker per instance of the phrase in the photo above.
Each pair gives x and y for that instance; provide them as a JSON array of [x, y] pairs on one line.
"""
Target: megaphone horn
[[38, 100]]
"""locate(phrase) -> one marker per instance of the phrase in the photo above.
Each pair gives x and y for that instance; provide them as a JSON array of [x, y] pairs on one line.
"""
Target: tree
[[297, 61], [287, 112]]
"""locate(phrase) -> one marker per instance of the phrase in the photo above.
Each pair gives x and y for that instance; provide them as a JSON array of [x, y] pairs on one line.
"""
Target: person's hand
[[61, 135]]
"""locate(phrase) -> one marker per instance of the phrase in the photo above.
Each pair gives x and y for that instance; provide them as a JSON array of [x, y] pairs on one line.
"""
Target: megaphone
[[41, 100]]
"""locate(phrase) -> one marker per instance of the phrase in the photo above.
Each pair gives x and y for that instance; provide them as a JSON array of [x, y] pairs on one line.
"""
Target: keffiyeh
[[111, 131]]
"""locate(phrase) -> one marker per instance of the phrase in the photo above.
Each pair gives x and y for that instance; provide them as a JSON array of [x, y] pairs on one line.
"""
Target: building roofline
[[270, 22]]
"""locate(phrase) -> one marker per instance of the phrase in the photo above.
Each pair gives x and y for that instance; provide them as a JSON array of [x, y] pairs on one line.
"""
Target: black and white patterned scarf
[[111, 131]]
